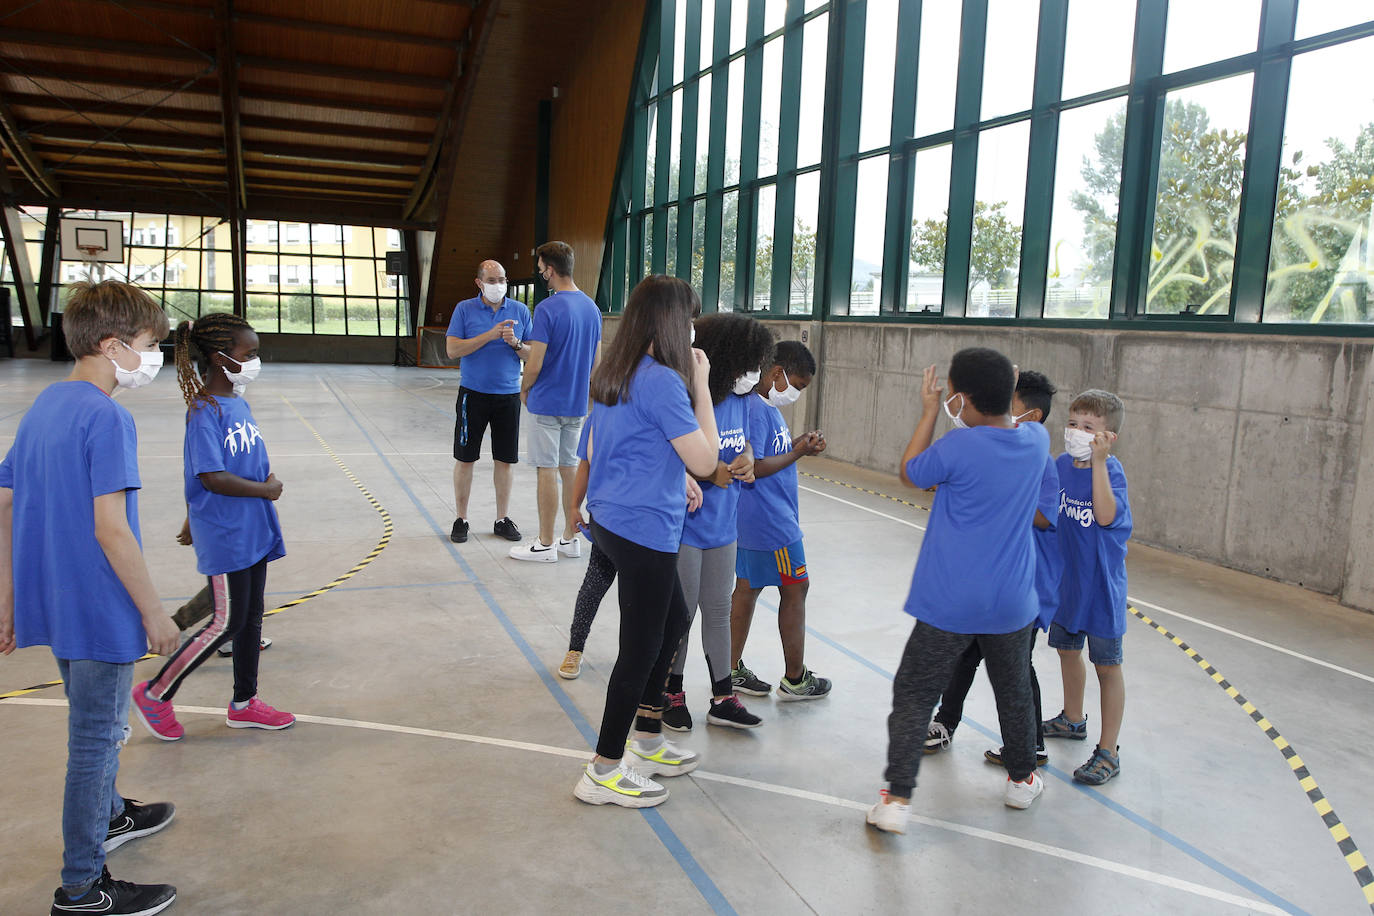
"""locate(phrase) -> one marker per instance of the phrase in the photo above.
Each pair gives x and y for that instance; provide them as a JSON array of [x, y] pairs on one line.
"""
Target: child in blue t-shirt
[[1094, 526], [1030, 403], [770, 551], [737, 347], [230, 520], [75, 579], [975, 577]]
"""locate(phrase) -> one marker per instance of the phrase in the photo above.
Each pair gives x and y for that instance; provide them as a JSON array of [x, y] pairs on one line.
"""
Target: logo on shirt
[[732, 440], [782, 440], [242, 436], [1080, 510]]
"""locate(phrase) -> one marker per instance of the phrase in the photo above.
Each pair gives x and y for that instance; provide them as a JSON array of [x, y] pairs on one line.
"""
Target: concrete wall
[[322, 348]]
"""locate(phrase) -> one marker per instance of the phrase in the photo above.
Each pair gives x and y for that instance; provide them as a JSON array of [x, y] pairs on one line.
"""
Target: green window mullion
[[715, 160], [968, 101], [789, 120], [663, 155], [897, 235], [1139, 161], [843, 98], [1044, 133], [1263, 158], [637, 186], [687, 158], [749, 158], [619, 244]]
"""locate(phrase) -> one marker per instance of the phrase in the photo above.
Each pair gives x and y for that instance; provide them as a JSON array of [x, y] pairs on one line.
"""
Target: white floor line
[[1068, 855], [1251, 639], [1141, 602]]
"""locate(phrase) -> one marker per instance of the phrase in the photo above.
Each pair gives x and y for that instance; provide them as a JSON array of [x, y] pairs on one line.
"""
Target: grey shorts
[[553, 440]]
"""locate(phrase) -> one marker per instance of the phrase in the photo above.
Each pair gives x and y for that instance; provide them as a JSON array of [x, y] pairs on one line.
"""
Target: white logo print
[[732, 440], [1080, 510], [101, 905], [782, 440], [241, 436]]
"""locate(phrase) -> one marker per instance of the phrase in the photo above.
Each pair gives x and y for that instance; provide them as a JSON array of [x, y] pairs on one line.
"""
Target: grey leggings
[[708, 579]]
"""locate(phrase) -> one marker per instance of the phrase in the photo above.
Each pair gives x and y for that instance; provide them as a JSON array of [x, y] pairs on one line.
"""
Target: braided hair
[[210, 334]]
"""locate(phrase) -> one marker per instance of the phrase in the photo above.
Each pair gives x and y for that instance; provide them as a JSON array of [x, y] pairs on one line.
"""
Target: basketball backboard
[[92, 240]]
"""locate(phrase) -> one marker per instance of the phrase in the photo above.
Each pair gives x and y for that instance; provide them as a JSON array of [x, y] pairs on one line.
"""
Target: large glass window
[[1097, 45], [937, 67], [729, 236], [770, 112], [1009, 58], [812, 102], [1201, 169], [880, 61], [734, 121], [675, 150], [698, 244], [929, 220], [703, 134], [763, 247], [805, 219], [1321, 264], [1199, 33], [1087, 191], [1316, 17], [708, 33], [998, 205], [870, 216], [739, 19], [679, 39]]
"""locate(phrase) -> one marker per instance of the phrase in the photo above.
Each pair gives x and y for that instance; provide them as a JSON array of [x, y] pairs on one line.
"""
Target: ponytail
[[212, 333]]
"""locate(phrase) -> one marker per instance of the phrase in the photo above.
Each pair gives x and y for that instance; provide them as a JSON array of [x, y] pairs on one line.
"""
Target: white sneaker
[[534, 551], [622, 787], [890, 818], [571, 548], [1021, 794], [665, 760]]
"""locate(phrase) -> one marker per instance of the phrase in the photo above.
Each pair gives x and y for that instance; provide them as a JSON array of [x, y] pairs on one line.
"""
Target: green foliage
[[996, 245]]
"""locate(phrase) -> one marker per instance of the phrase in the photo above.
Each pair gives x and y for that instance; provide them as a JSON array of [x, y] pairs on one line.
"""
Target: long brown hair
[[209, 334], [659, 313]]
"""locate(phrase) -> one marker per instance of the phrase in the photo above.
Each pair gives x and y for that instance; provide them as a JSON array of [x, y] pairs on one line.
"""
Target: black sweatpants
[[928, 660], [951, 711], [653, 619]]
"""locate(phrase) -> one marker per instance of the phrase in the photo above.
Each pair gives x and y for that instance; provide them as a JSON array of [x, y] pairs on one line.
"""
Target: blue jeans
[[97, 727]]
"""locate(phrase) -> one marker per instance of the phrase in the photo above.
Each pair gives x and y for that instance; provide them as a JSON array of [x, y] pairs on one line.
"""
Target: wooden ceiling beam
[[123, 155], [73, 42], [14, 142], [323, 128], [333, 28], [81, 133], [283, 98], [252, 166], [306, 187], [76, 75], [334, 71], [90, 106], [228, 68], [166, 6], [333, 154]]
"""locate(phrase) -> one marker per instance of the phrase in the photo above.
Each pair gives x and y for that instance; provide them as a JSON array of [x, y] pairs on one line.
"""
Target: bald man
[[487, 334]]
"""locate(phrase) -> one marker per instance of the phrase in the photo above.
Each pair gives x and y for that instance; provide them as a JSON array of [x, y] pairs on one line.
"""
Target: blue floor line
[[688, 863], [1139, 820]]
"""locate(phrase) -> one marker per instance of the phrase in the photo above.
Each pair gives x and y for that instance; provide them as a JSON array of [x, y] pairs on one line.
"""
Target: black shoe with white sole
[[138, 820], [109, 897], [731, 713], [459, 534]]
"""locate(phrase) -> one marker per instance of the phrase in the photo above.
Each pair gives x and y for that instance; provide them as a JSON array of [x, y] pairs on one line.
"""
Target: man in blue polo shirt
[[565, 343], [487, 332]]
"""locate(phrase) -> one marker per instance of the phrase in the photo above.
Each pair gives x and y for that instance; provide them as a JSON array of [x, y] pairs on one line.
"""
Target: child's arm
[[224, 483], [801, 447], [932, 395], [6, 571], [121, 549], [1104, 501], [579, 492], [1040, 521], [742, 468]]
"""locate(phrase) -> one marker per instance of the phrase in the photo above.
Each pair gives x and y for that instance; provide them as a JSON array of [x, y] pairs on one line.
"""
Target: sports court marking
[[1068, 855]]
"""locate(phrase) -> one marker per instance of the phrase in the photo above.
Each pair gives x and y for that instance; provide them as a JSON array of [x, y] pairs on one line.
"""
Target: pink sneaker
[[258, 714], [156, 715]]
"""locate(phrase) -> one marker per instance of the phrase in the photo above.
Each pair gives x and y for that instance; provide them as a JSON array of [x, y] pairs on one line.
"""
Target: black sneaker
[[459, 534], [505, 528], [742, 680], [731, 713], [116, 898], [676, 715], [994, 755], [138, 820]]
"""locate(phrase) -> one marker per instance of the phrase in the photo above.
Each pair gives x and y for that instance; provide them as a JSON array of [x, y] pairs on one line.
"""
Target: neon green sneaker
[[622, 787], [665, 760]]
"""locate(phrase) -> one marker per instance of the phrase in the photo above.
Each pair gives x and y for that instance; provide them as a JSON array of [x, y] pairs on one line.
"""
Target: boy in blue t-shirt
[[770, 551], [1094, 525], [975, 577], [69, 491]]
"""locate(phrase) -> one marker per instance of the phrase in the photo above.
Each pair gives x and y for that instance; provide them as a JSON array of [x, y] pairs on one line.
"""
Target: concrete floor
[[433, 766]]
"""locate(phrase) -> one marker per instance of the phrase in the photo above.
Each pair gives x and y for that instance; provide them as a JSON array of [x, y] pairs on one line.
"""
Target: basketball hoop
[[91, 251]]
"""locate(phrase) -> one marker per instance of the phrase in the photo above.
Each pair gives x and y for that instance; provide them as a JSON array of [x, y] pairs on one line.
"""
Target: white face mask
[[149, 362], [1017, 420], [247, 371], [1078, 443], [956, 418], [783, 398], [495, 293], [693, 338], [747, 382]]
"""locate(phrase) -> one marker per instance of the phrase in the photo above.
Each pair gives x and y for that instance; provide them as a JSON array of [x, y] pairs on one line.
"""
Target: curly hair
[[208, 335], [735, 344]]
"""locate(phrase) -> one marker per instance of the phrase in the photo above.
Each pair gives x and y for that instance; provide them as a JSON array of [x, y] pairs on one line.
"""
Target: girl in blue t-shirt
[[652, 419], [738, 347], [230, 519]]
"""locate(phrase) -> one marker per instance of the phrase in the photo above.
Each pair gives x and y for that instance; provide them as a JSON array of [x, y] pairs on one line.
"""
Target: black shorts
[[477, 409]]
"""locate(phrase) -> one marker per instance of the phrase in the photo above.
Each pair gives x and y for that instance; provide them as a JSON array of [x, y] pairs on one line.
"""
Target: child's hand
[[578, 522], [694, 497], [742, 468], [722, 476], [932, 395], [273, 486], [163, 635], [817, 443], [1102, 445], [184, 538]]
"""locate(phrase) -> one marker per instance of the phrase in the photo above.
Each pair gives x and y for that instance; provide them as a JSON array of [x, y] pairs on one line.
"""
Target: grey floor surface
[[433, 766]]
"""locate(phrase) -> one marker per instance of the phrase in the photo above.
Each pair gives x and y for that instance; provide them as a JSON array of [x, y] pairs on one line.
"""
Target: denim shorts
[[1101, 651], [553, 441]]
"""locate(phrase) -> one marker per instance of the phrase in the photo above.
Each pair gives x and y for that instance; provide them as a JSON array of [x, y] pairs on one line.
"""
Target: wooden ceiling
[[317, 110]]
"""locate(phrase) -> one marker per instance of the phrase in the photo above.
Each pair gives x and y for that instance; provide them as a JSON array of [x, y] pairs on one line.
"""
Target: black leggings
[[952, 701], [595, 584], [653, 619]]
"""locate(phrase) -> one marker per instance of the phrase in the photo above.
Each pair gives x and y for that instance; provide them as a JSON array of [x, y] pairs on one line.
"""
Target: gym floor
[[432, 766]]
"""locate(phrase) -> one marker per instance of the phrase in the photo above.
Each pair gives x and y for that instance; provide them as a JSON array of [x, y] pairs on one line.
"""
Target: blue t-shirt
[[1092, 592], [1048, 564], [494, 367], [637, 486], [230, 533], [715, 523], [74, 444], [976, 569], [768, 514], [569, 325]]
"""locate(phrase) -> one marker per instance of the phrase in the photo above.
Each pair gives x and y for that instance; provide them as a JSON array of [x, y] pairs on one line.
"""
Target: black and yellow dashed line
[[1344, 841], [308, 596], [850, 486]]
